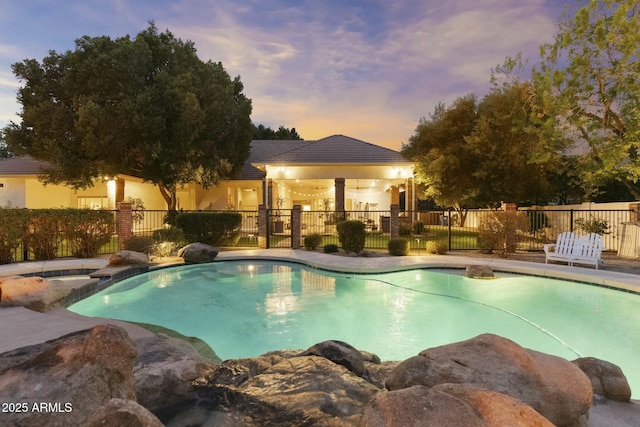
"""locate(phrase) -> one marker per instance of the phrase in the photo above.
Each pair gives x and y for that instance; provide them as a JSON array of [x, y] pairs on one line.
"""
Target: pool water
[[244, 309]]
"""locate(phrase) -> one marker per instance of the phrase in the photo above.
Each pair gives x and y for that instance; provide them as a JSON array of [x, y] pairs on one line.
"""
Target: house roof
[[336, 149], [22, 165]]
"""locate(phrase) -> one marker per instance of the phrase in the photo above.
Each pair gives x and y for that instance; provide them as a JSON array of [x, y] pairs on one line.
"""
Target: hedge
[[213, 228]]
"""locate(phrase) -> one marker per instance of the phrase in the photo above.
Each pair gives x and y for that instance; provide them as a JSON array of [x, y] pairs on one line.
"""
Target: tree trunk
[[169, 196]]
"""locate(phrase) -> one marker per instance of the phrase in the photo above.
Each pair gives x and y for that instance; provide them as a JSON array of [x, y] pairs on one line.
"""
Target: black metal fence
[[456, 231]]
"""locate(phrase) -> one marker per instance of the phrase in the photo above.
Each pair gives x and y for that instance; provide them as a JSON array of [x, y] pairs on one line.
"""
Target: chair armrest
[[549, 247]]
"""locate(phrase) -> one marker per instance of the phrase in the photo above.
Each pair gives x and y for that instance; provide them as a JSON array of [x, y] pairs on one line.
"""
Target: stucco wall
[[12, 192]]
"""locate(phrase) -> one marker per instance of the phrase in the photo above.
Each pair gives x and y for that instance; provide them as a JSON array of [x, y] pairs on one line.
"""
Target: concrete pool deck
[[20, 327]]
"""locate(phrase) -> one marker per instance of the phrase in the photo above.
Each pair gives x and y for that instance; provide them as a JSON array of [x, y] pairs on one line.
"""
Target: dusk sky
[[369, 69]]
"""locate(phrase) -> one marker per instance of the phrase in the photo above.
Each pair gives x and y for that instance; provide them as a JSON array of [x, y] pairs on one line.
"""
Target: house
[[330, 174]]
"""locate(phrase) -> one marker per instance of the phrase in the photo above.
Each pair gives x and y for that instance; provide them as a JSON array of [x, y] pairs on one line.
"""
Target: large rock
[[449, 405], [479, 272], [197, 253], [126, 257], [607, 379], [163, 373], [341, 353], [35, 293], [554, 387], [304, 390], [122, 412], [76, 374]]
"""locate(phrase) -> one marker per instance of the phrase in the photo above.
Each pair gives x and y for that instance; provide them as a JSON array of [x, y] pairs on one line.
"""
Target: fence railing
[[457, 232]]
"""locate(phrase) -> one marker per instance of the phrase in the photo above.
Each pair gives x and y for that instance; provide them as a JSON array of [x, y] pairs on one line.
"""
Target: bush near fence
[[49, 233], [213, 228]]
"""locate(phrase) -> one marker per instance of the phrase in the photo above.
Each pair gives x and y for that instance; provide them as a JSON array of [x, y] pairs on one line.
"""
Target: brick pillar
[[635, 211], [509, 207], [339, 192], [395, 195], [125, 224], [296, 226], [394, 226], [263, 227]]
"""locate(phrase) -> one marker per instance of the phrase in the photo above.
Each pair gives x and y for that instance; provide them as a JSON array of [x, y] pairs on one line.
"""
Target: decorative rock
[[449, 405], [35, 293], [341, 353], [128, 258], [607, 379], [305, 390], [554, 387], [164, 370], [79, 372], [197, 253], [479, 272], [121, 412]]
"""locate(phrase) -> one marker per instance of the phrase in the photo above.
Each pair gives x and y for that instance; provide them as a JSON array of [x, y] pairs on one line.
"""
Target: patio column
[[263, 227], [409, 200], [339, 192], [395, 195], [296, 226]]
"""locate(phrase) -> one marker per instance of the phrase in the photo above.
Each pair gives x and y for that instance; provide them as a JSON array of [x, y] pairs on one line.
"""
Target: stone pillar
[[263, 228], [395, 195], [394, 226], [296, 227], [635, 211], [124, 224], [339, 192], [269, 197]]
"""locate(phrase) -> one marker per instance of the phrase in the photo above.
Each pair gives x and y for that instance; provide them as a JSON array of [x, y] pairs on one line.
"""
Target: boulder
[[553, 386], [607, 379], [449, 405], [128, 258], [164, 370], [34, 293], [197, 253], [75, 374], [341, 353], [304, 390], [121, 412], [479, 272]]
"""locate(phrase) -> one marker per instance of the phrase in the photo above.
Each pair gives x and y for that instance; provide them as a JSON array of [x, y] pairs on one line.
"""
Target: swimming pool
[[246, 308]]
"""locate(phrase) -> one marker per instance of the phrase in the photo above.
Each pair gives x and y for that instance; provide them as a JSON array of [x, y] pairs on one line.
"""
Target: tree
[[588, 91], [261, 132], [147, 107], [442, 156], [4, 151]]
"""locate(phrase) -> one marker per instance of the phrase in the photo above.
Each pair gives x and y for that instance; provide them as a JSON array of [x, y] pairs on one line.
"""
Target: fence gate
[[279, 230]]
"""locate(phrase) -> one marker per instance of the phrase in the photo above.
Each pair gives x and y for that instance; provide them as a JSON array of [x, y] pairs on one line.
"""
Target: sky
[[368, 69]]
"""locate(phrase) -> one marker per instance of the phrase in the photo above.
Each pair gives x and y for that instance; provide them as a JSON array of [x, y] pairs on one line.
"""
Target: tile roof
[[21, 165], [337, 149]]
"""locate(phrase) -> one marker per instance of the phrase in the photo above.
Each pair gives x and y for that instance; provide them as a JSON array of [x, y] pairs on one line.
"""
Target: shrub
[[404, 229], [398, 247], [418, 227], [436, 247], [88, 230], [330, 248], [44, 229], [312, 241], [166, 241], [593, 225], [139, 244], [213, 228], [498, 231], [14, 224], [352, 235]]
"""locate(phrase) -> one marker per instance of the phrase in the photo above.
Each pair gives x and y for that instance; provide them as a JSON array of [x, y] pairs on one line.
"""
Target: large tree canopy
[[588, 90], [147, 107]]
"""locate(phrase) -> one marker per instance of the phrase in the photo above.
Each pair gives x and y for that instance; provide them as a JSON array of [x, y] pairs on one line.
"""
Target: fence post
[[635, 211], [296, 226], [571, 220], [263, 228], [394, 222], [125, 224]]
